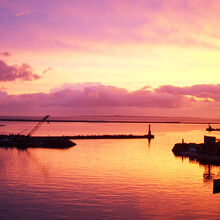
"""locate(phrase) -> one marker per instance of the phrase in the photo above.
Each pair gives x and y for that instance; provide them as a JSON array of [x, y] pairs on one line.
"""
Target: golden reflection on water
[[127, 179]]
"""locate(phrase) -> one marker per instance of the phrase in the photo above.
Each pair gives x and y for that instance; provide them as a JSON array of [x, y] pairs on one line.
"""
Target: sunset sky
[[131, 57]]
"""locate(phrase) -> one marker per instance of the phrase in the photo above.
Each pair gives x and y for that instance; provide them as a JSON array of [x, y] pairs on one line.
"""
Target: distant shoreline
[[109, 121]]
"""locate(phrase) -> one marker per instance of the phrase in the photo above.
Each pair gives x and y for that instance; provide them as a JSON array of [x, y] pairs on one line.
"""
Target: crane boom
[[38, 125]]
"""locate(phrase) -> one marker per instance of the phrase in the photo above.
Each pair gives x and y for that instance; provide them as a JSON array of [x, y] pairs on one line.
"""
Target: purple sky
[[105, 52]]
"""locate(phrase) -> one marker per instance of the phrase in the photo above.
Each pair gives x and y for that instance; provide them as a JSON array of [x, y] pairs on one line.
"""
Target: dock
[[130, 136], [29, 140], [148, 136]]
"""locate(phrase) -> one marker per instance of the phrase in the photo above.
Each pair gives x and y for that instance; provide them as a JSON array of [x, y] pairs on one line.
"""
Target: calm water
[[107, 179]]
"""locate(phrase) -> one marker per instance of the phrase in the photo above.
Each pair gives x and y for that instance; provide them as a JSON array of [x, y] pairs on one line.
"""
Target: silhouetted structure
[[109, 136], [113, 136], [22, 141], [212, 129], [38, 125], [216, 186], [27, 141], [207, 152]]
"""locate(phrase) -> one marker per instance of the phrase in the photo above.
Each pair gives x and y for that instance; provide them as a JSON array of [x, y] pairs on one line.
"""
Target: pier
[[24, 141], [130, 136], [109, 136]]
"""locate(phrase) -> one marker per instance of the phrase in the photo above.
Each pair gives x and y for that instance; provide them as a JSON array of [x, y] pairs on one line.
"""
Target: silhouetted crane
[[38, 125]]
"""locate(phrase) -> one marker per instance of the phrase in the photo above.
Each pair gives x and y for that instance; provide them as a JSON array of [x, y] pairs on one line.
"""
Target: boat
[[207, 152], [29, 141], [210, 128], [22, 141]]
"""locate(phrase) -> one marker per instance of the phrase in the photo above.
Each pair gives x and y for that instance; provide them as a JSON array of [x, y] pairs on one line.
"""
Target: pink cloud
[[22, 13], [200, 91], [5, 54], [11, 73], [47, 70], [94, 97], [98, 95], [75, 24]]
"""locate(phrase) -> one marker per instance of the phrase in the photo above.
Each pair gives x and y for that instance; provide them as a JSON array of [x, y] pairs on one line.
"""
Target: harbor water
[[107, 179]]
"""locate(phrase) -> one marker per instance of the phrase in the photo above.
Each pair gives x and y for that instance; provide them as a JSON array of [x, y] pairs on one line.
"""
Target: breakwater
[[119, 136]]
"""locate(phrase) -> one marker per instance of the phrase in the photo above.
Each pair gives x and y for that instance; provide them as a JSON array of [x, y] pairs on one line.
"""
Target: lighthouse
[[149, 131], [149, 135]]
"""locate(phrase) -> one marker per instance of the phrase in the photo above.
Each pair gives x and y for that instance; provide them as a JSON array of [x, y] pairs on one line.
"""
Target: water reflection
[[43, 169], [208, 175], [211, 171], [149, 141], [107, 179]]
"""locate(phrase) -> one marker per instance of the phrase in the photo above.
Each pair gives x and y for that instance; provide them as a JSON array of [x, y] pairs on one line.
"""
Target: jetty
[[28, 141], [113, 136]]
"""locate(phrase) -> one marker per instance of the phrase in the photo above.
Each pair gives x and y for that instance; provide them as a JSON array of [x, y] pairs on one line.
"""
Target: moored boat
[[22, 141], [29, 141]]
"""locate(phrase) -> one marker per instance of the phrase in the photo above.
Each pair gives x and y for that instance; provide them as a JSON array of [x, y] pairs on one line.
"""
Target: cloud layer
[[76, 23], [211, 92], [84, 97], [11, 73]]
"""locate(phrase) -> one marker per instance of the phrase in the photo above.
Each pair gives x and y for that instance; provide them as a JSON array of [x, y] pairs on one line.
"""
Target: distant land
[[115, 119]]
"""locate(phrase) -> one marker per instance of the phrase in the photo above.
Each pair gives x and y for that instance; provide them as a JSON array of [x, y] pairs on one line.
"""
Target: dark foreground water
[[107, 179]]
